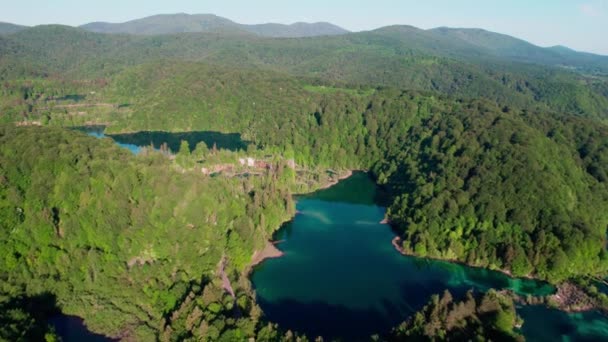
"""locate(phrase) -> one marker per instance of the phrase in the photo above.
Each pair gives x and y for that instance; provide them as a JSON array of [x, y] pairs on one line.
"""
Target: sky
[[578, 24]]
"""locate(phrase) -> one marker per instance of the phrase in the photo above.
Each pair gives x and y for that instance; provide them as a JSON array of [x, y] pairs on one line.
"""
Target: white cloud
[[590, 10]]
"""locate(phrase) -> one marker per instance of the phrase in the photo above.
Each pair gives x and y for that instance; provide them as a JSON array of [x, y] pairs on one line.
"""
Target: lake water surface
[[136, 141], [341, 277]]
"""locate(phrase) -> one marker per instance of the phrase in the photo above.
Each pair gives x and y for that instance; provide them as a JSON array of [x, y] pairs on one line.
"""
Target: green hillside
[[519, 50], [402, 57], [424, 142], [122, 241], [8, 28], [456, 169]]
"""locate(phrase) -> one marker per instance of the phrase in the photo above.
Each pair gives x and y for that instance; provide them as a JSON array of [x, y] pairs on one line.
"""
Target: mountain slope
[[295, 30], [470, 45], [165, 24], [462, 43], [399, 56], [8, 28], [178, 23], [505, 46]]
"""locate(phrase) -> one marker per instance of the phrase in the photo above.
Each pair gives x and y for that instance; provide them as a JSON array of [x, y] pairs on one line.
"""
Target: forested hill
[[491, 317], [181, 22], [402, 57], [130, 244], [520, 50], [7, 28], [510, 188], [443, 41], [502, 186]]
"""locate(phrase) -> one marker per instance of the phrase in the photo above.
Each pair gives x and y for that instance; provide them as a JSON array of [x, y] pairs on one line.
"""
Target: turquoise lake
[[341, 277], [134, 142]]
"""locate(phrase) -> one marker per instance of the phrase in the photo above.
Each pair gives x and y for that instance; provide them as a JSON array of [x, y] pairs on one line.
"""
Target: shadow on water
[[228, 141], [331, 321], [73, 329], [30, 318], [359, 188], [25, 317]]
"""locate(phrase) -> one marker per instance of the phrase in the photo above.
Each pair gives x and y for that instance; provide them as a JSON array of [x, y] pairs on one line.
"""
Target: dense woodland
[[122, 241], [492, 161], [522, 192], [398, 56]]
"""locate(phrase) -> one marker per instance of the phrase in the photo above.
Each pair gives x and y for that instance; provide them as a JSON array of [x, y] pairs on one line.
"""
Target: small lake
[[135, 141], [341, 277]]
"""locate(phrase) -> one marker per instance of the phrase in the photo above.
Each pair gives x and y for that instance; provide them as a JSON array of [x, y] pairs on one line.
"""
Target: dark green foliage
[[491, 185], [25, 318], [208, 313], [490, 317], [496, 186], [517, 191]]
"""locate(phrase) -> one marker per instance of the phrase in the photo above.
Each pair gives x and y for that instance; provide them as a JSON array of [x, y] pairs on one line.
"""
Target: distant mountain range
[[399, 55], [8, 28], [465, 40], [513, 48], [180, 23], [474, 43]]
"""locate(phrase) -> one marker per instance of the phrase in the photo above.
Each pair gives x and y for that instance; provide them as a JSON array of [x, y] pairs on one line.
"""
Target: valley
[[186, 177]]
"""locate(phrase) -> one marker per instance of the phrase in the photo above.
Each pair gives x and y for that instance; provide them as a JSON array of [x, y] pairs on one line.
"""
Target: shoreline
[[270, 251], [335, 181], [326, 184], [396, 244], [567, 296]]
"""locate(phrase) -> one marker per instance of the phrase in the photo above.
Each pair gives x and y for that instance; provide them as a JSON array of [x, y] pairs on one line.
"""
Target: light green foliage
[[183, 157], [100, 228], [201, 151]]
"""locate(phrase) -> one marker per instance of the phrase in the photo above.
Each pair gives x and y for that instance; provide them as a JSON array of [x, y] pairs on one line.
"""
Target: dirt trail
[[225, 281]]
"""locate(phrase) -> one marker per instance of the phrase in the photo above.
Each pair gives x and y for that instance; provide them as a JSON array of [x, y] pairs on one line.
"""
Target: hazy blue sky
[[579, 24]]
